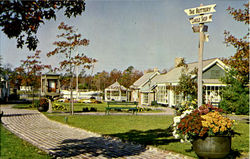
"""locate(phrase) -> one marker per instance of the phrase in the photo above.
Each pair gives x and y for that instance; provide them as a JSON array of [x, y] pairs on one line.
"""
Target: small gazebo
[[116, 92], [50, 84]]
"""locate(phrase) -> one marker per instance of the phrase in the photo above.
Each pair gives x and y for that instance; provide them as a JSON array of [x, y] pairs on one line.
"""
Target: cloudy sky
[[140, 33]]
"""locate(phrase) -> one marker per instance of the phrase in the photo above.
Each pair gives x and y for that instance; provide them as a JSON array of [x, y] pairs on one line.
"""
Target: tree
[[71, 40], [21, 19], [101, 80], [240, 60], [17, 77], [129, 76], [114, 76], [235, 94], [187, 85], [33, 67]]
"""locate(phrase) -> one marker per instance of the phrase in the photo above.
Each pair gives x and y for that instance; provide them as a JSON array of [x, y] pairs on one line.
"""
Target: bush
[[85, 109], [59, 107], [154, 103], [92, 109], [235, 96], [144, 109], [36, 103]]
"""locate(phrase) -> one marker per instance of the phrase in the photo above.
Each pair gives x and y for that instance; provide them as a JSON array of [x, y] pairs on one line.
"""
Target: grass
[[78, 107], [147, 130], [14, 147]]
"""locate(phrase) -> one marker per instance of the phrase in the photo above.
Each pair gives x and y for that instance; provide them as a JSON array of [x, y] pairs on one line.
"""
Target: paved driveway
[[63, 141]]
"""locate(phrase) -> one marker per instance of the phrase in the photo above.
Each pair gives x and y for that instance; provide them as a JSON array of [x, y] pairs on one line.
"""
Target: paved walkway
[[63, 141]]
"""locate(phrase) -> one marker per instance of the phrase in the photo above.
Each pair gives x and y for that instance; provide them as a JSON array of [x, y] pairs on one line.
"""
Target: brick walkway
[[63, 141]]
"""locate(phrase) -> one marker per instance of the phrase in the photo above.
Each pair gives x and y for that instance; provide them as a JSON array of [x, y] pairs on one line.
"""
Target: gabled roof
[[173, 75], [51, 73], [116, 85], [144, 79]]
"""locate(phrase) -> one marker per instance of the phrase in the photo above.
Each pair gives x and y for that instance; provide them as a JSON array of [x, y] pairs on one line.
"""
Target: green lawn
[[14, 147], [147, 130], [79, 106]]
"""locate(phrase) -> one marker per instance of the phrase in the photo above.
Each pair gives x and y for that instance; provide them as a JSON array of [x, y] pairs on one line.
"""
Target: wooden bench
[[122, 105]]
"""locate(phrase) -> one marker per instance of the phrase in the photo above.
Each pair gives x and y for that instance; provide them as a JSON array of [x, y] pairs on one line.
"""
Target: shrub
[[186, 105], [235, 96], [92, 109], [154, 103], [85, 109], [59, 106]]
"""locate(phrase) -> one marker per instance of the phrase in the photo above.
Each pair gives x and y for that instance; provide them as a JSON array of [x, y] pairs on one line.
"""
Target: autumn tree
[[115, 75], [129, 76], [101, 80], [235, 96], [67, 48], [240, 60], [33, 69], [17, 77], [21, 19]]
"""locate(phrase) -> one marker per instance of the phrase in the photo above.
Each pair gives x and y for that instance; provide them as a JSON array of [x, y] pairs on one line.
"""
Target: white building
[[141, 90], [116, 92], [213, 70]]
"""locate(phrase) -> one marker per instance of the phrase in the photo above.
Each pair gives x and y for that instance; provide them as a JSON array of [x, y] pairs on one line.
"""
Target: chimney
[[178, 61], [156, 69]]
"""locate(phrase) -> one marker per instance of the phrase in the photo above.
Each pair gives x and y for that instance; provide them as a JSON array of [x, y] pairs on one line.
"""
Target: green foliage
[[36, 104], [57, 106], [186, 105], [154, 103], [187, 85], [235, 96]]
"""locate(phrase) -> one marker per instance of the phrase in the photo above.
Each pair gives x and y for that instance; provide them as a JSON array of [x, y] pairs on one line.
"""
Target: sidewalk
[[63, 141]]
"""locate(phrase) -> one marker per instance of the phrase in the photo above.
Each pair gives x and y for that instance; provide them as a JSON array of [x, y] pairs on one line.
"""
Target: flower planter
[[213, 147], [43, 105], [42, 108]]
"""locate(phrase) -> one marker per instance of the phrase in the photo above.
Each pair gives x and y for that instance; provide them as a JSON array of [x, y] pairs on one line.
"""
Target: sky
[[144, 34]]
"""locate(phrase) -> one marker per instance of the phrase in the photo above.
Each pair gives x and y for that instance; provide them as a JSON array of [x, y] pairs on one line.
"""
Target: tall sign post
[[202, 18]]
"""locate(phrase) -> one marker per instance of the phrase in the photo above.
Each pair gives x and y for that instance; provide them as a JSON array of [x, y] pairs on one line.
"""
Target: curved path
[[63, 141]]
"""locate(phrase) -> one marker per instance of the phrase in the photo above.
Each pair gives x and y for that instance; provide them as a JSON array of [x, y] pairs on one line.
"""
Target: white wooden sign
[[200, 10], [201, 19]]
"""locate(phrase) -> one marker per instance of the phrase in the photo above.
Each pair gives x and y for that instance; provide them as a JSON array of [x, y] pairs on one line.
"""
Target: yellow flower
[[204, 123], [215, 129], [229, 125], [223, 128]]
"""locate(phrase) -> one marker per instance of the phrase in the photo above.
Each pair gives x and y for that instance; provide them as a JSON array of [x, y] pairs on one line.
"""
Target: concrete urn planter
[[212, 147]]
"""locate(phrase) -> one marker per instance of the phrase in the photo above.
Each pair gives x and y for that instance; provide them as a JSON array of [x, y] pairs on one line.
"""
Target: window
[[212, 94], [144, 98], [162, 94]]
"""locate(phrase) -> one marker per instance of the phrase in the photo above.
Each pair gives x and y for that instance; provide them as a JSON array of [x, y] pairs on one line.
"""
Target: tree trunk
[[33, 98], [71, 95]]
